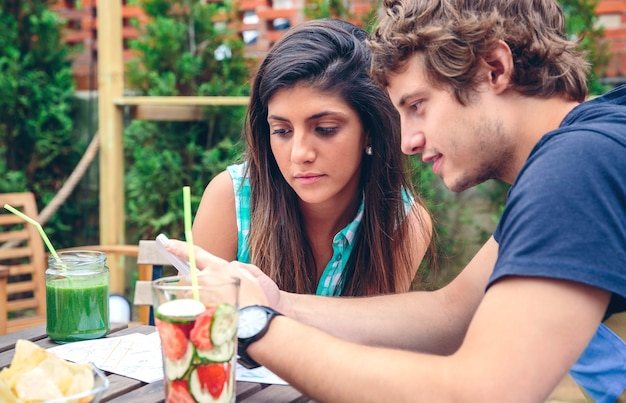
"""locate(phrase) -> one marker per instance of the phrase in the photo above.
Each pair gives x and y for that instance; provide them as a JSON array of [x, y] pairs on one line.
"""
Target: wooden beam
[[167, 113], [183, 100], [110, 117]]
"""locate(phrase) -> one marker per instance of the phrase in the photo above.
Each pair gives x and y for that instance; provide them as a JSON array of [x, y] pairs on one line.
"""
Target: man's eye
[[416, 105]]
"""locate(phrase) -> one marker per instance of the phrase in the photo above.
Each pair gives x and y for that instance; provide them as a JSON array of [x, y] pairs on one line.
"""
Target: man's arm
[[522, 339], [434, 321], [525, 335]]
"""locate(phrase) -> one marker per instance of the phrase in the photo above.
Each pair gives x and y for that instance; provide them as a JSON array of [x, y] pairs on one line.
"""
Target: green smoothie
[[76, 309]]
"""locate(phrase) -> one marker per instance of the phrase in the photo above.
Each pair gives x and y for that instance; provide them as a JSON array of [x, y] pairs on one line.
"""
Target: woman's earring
[[368, 150]]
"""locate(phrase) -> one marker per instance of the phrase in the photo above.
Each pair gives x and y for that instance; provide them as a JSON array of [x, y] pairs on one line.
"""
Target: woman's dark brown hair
[[330, 56]]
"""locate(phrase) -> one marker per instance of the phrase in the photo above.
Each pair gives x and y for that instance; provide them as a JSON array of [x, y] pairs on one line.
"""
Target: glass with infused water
[[197, 325]]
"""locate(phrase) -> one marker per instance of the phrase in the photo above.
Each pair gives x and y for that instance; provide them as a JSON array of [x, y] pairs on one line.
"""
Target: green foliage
[[316, 9], [183, 52], [37, 148], [581, 22]]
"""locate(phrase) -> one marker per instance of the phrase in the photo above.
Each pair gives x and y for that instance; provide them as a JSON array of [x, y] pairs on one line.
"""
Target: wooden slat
[[10, 219], [126, 250], [166, 113], [16, 253], [25, 323], [149, 253], [21, 304], [20, 287], [186, 100], [16, 235], [4, 275], [22, 269]]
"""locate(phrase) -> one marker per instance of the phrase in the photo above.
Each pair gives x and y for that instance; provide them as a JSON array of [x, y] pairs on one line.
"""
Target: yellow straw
[[189, 239], [38, 226]]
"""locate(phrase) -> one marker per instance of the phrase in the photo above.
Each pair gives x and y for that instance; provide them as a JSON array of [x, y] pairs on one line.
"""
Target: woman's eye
[[280, 132], [326, 131]]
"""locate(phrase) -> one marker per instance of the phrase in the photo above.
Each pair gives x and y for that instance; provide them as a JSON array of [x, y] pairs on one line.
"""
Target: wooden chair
[[151, 267], [24, 262], [23, 283]]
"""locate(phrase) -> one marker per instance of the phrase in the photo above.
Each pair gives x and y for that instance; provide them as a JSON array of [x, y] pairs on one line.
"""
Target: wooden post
[[110, 117]]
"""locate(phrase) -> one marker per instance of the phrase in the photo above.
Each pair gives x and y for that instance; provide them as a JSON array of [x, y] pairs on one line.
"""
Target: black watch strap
[[242, 344], [245, 359]]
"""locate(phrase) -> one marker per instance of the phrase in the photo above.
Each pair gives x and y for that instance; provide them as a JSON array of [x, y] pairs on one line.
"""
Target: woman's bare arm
[[215, 223]]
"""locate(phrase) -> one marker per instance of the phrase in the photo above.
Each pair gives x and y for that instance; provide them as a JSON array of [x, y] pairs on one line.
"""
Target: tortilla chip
[[36, 375]]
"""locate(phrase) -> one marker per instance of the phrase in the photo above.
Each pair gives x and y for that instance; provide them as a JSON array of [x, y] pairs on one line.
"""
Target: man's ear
[[499, 67]]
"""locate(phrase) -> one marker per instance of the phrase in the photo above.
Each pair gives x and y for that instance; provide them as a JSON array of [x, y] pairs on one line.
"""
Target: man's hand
[[252, 279]]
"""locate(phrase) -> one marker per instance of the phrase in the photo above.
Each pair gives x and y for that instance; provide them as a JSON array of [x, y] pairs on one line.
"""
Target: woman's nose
[[302, 149]]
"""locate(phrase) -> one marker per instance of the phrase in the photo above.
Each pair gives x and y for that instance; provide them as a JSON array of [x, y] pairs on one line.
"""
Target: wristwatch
[[253, 323]]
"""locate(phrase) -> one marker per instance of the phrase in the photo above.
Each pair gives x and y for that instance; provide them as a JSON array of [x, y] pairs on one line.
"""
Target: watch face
[[251, 321]]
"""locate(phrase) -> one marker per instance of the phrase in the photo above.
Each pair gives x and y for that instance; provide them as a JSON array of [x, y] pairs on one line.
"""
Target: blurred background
[[49, 61]]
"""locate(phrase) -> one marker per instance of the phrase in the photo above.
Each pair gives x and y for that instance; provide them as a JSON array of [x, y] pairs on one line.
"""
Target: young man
[[485, 89]]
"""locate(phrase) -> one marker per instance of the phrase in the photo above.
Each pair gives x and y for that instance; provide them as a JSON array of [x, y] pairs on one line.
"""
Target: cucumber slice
[[178, 310], [177, 369], [224, 324], [221, 353], [214, 389]]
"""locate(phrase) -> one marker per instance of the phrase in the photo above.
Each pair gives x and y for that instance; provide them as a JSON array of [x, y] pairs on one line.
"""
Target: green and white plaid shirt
[[330, 282]]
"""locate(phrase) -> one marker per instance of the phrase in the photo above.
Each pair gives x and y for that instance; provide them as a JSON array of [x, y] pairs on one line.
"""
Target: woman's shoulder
[[236, 171]]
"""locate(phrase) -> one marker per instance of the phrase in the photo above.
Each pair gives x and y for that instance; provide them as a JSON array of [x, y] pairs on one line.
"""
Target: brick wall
[[81, 32], [612, 16], [262, 22]]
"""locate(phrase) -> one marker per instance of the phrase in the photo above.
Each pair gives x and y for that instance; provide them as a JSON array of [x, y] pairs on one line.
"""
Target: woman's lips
[[308, 179]]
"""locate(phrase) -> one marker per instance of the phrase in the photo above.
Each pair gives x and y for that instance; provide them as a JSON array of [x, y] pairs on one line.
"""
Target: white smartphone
[[181, 265]]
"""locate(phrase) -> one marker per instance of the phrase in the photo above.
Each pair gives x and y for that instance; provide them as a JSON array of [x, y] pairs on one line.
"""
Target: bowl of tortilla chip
[[38, 376]]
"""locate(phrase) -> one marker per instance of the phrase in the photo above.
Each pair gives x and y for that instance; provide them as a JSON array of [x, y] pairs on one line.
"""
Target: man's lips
[[436, 160]]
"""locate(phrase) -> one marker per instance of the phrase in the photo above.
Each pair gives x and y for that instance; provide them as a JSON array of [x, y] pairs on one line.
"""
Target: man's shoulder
[[600, 112]]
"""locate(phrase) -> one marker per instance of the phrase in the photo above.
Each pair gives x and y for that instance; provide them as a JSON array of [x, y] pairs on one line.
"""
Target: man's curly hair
[[454, 36]]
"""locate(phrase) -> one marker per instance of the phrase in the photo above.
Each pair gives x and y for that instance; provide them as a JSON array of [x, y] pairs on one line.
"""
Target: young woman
[[322, 202]]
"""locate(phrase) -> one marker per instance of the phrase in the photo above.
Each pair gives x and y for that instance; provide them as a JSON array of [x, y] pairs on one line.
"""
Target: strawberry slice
[[179, 392], [209, 378], [173, 339], [200, 335]]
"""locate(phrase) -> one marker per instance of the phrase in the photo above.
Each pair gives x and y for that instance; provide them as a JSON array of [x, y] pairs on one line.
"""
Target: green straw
[[38, 226], [189, 239]]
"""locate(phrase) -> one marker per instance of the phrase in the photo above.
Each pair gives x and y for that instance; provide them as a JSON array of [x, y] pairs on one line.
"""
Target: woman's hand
[[253, 282]]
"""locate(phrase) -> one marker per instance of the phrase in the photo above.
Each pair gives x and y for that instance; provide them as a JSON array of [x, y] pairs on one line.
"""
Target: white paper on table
[[258, 375], [136, 355]]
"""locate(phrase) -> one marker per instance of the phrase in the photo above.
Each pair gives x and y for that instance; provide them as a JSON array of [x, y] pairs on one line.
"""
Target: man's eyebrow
[[413, 94]]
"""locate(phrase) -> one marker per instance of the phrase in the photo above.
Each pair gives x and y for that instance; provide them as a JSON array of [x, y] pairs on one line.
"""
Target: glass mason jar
[[77, 296]]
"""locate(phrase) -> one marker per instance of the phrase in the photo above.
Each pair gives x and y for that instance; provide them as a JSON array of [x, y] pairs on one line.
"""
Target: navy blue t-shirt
[[565, 215]]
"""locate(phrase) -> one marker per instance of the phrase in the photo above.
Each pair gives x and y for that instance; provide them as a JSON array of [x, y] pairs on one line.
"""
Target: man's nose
[[412, 139]]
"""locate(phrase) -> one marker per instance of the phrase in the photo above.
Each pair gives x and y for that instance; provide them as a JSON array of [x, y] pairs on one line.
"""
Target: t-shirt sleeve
[[565, 216]]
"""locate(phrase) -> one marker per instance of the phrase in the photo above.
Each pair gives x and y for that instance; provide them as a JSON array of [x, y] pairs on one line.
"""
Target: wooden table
[[123, 389]]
